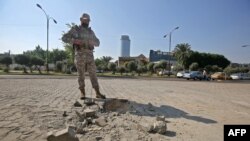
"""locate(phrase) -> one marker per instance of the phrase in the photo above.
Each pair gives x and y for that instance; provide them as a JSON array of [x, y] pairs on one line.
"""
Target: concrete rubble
[[78, 103], [67, 134], [107, 120]]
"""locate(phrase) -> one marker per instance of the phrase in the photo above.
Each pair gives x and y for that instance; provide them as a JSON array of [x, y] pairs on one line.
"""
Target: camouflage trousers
[[84, 61]]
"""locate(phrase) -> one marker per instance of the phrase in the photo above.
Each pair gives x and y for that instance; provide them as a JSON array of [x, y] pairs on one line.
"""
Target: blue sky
[[213, 26]]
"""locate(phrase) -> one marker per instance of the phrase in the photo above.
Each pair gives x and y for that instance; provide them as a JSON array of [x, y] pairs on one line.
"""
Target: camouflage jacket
[[81, 33]]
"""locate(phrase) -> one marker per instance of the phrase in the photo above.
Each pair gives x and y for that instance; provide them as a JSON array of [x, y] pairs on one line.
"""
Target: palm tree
[[105, 61], [182, 52], [69, 47]]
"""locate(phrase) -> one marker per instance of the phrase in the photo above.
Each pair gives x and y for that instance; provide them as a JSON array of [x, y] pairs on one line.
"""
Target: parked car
[[99, 71], [220, 75], [240, 76], [193, 75], [180, 74], [165, 72]]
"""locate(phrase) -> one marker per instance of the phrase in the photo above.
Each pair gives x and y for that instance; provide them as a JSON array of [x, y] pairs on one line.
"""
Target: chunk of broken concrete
[[80, 126], [145, 127], [160, 127], [65, 114], [94, 107], [78, 103], [150, 107], [98, 138], [160, 118], [101, 121], [113, 114], [89, 101], [100, 105], [81, 117], [89, 112], [67, 134], [89, 120]]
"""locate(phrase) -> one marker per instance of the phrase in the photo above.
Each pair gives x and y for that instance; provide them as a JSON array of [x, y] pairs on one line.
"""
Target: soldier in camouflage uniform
[[84, 40]]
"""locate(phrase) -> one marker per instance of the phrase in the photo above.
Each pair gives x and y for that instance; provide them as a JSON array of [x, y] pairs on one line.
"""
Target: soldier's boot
[[99, 95], [82, 94]]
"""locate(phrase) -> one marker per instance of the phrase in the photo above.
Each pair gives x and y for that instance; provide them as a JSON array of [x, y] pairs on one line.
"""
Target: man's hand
[[77, 42], [81, 42], [92, 43]]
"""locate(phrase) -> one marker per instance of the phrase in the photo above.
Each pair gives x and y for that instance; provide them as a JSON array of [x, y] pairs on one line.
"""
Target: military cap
[[85, 16]]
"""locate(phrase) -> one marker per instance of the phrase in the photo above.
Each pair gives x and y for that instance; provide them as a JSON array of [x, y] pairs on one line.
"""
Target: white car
[[180, 74], [240, 76], [193, 75]]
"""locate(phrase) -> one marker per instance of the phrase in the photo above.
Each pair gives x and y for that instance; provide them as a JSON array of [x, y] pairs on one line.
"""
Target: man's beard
[[85, 25]]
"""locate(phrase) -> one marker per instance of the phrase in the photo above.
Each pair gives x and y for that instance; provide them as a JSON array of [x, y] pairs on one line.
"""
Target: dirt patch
[[112, 119], [117, 105]]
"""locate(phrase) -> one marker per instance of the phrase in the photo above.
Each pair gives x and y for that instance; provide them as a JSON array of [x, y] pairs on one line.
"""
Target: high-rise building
[[125, 46]]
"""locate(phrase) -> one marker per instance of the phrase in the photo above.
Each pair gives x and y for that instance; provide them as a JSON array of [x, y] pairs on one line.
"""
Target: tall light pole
[[170, 34], [48, 18], [245, 46]]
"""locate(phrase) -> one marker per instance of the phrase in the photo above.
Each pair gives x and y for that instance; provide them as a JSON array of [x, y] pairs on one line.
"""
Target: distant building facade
[[155, 56], [235, 65], [5, 54], [125, 46], [141, 59]]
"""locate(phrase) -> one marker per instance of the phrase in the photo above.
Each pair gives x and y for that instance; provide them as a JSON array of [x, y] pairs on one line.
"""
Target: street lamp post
[[170, 34], [245, 46], [48, 18]]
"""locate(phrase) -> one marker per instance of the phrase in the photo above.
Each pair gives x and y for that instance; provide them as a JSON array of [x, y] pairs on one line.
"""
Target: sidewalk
[[195, 111]]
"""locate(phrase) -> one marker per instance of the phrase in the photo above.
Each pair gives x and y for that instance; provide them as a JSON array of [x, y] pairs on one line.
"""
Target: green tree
[[99, 64], [126, 67], [209, 69], [182, 53], [112, 67], [121, 69], [59, 66], [178, 67], [38, 52], [230, 70], [69, 50], [163, 64], [204, 59], [194, 66], [57, 55], [215, 68], [150, 67], [157, 67], [23, 60], [37, 62], [7, 60], [223, 62], [244, 70], [70, 53], [105, 61], [141, 69], [132, 66]]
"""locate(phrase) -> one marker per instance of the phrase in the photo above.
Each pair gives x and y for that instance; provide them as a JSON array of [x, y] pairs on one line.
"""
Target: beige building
[[138, 59]]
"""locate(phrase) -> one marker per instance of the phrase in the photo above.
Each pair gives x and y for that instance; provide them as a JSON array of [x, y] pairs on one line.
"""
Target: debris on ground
[[109, 119]]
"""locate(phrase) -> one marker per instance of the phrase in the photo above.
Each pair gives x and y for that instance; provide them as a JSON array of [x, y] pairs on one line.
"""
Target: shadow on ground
[[149, 110], [167, 111], [123, 105]]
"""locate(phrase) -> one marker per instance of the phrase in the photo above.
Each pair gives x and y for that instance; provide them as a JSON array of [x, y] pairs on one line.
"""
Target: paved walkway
[[195, 110]]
